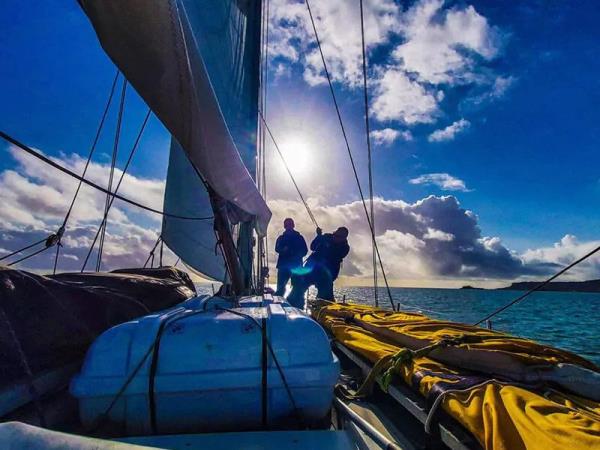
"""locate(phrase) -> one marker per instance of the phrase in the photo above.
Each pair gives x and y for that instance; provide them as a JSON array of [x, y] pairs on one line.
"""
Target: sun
[[296, 153]]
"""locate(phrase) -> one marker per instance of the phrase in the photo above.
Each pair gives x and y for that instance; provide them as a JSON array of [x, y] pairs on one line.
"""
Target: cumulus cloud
[[430, 47], [293, 39], [35, 200], [432, 238], [397, 97], [564, 252], [450, 132], [442, 45], [387, 136], [444, 181]]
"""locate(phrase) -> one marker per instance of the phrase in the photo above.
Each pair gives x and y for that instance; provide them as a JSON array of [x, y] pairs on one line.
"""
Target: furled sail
[[191, 62]]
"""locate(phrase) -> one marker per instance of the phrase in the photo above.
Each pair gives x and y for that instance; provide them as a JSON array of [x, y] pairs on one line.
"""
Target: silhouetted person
[[322, 267], [291, 248]]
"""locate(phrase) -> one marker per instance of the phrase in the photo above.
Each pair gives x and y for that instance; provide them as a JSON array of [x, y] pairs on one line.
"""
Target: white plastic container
[[207, 374]]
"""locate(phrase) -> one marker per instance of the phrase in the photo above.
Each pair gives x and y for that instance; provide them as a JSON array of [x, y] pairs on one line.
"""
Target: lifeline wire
[[539, 286], [339, 115], [48, 161]]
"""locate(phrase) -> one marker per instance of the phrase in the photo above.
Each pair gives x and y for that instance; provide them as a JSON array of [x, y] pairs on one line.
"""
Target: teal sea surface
[[567, 320]]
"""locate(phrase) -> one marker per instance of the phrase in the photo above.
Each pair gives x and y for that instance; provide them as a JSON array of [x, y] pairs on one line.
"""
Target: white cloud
[[388, 136], [397, 97], [292, 36], [444, 181], [450, 132], [494, 92], [35, 199], [441, 46], [564, 252], [432, 238], [432, 233], [440, 42], [501, 85]]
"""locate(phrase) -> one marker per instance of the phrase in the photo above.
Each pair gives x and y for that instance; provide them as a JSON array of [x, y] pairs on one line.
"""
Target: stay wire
[[341, 122], [105, 216], [87, 163], [151, 255], [94, 143], [28, 256], [23, 249], [266, 84], [287, 168], [113, 163], [57, 166], [370, 162], [538, 287]]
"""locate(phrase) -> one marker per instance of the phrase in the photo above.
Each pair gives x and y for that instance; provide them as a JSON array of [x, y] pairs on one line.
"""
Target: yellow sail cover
[[499, 412]]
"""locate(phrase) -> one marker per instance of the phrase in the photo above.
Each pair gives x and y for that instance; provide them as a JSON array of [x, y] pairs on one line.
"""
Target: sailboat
[[242, 368]]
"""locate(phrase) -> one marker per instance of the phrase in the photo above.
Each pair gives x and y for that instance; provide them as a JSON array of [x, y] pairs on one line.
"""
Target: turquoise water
[[567, 320]]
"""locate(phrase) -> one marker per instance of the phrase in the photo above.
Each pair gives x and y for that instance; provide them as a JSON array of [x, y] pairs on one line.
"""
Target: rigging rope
[[57, 166], [151, 255], [341, 122], [308, 210], [93, 147], [23, 249], [264, 151], [28, 256], [67, 215], [538, 287], [370, 163], [105, 217], [112, 172]]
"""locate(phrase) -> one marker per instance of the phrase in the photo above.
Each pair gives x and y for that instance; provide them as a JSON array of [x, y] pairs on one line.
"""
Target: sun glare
[[296, 152]]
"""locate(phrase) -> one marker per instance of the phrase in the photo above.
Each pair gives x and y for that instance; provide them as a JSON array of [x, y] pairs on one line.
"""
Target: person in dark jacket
[[291, 248], [322, 267]]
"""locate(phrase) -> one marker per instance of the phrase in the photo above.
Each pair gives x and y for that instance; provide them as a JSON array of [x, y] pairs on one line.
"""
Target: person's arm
[[316, 243], [278, 245]]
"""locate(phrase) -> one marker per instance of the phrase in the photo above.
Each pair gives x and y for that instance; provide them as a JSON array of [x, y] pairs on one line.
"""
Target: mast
[[196, 63], [246, 240]]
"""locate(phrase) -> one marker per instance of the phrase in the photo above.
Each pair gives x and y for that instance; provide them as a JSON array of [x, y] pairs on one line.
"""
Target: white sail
[[193, 241], [178, 55]]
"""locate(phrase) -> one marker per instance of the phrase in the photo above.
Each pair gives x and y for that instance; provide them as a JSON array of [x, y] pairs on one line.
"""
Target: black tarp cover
[[49, 321]]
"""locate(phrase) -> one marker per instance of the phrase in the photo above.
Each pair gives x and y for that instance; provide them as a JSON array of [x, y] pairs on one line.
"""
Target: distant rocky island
[[559, 286]]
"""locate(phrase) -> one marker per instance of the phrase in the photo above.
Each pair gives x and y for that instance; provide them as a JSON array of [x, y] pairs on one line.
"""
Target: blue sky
[[501, 114]]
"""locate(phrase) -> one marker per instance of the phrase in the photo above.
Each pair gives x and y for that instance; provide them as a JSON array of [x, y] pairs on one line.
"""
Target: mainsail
[[196, 64]]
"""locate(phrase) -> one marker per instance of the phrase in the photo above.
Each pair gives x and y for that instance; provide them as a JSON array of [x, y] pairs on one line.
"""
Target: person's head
[[341, 234], [288, 224]]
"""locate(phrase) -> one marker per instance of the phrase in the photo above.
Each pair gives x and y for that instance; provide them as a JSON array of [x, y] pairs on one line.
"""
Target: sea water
[[567, 320]]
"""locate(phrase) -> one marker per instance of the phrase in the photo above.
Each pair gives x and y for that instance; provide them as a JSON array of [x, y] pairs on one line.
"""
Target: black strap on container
[[264, 380]]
